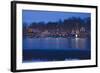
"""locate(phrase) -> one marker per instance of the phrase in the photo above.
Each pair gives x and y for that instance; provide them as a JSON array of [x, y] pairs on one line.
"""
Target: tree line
[[65, 25]]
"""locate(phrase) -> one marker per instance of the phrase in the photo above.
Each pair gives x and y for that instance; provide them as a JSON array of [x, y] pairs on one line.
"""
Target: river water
[[57, 43], [45, 49]]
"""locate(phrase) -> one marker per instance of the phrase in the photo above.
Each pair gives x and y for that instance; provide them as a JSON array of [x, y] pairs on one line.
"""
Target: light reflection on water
[[57, 43]]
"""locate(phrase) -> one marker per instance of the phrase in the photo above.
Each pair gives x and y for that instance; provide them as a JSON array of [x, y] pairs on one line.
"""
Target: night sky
[[30, 16]]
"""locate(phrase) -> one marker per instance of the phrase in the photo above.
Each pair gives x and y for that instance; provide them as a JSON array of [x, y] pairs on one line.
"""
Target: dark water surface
[[55, 49]]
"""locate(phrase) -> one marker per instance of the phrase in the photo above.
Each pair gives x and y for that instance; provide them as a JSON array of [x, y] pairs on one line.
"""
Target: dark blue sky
[[30, 16]]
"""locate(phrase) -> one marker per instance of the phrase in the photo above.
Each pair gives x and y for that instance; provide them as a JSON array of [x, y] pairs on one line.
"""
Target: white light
[[76, 35]]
